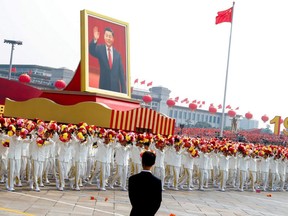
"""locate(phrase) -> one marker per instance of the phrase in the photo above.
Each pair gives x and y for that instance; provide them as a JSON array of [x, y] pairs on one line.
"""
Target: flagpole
[[226, 79]]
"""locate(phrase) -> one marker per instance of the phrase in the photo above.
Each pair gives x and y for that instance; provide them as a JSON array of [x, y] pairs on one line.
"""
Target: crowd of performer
[[33, 153]]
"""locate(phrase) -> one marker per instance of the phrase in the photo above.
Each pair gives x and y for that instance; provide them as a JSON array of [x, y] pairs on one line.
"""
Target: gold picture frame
[[97, 75]]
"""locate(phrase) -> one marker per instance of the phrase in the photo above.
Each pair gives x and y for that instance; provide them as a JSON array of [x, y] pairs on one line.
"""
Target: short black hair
[[148, 158], [109, 30]]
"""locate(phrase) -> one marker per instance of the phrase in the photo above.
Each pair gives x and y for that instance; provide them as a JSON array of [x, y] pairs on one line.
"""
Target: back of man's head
[[148, 159]]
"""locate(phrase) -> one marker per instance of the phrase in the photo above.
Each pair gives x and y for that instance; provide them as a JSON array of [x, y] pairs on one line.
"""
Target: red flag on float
[[176, 99], [228, 107], [142, 82], [149, 84], [136, 81], [13, 69], [224, 16]]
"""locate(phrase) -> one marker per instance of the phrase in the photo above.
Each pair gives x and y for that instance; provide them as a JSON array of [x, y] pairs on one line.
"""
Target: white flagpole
[[226, 79]]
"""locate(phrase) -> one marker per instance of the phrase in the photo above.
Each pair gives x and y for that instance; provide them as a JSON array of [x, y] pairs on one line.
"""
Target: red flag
[[194, 101], [13, 69], [228, 107], [203, 102], [143, 82], [184, 100], [30, 72], [149, 84], [237, 108], [219, 106], [176, 99], [224, 16], [135, 81]]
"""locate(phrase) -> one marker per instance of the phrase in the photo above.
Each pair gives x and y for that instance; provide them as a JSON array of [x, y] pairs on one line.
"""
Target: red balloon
[[248, 115], [193, 106], [170, 102], [212, 109], [265, 118], [147, 98], [231, 113], [24, 78], [60, 84]]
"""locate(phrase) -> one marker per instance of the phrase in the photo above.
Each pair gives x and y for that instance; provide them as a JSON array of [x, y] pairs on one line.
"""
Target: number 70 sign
[[277, 121]]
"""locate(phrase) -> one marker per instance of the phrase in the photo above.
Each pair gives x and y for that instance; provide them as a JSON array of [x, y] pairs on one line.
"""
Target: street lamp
[[12, 42]]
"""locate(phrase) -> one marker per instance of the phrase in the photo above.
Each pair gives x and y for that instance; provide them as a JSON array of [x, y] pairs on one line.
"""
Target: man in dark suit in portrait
[[111, 68], [145, 190]]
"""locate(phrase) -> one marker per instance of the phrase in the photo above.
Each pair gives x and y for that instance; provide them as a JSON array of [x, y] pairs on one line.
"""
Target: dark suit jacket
[[110, 79], [145, 194]]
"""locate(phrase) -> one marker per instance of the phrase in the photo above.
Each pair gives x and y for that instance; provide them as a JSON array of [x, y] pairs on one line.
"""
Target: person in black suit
[[111, 68], [145, 190]]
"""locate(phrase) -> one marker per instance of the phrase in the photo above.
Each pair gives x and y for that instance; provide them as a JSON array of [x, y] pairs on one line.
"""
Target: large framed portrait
[[104, 55]]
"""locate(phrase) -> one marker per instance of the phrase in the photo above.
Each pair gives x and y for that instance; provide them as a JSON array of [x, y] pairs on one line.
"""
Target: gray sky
[[175, 44]]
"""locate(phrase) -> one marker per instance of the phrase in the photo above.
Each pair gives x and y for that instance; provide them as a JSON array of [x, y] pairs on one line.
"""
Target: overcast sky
[[175, 44]]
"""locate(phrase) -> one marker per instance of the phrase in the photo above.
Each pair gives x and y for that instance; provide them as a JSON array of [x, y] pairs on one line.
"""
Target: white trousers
[[121, 172], [187, 177], [37, 171], [160, 173]]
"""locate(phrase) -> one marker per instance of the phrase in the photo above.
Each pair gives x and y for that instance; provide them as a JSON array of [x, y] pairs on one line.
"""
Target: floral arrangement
[[5, 143], [65, 137], [40, 141], [193, 151], [11, 130]]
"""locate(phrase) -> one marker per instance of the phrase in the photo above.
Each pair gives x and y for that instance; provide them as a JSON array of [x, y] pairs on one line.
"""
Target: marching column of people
[[38, 153]]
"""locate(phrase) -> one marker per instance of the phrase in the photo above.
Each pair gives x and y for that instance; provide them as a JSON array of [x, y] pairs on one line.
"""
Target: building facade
[[183, 115], [41, 77]]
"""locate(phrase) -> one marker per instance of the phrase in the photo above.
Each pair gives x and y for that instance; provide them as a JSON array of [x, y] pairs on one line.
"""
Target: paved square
[[90, 201]]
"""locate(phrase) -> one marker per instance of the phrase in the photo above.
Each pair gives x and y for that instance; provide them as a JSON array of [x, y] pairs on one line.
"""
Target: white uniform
[[232, 171], [136, 159], [253, 171], [264, 165], [159, 167], [38, 156], [121, 161], [243, 166], [275, 178], [223, 167], [282, 166], [14, 159], [203, 168], [188, 164], [174, 165], [81, 150], [64, 161], [3, 159], [102, 161]]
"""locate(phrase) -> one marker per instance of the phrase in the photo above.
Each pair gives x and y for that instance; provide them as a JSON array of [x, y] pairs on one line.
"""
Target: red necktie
[[109, 58]]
